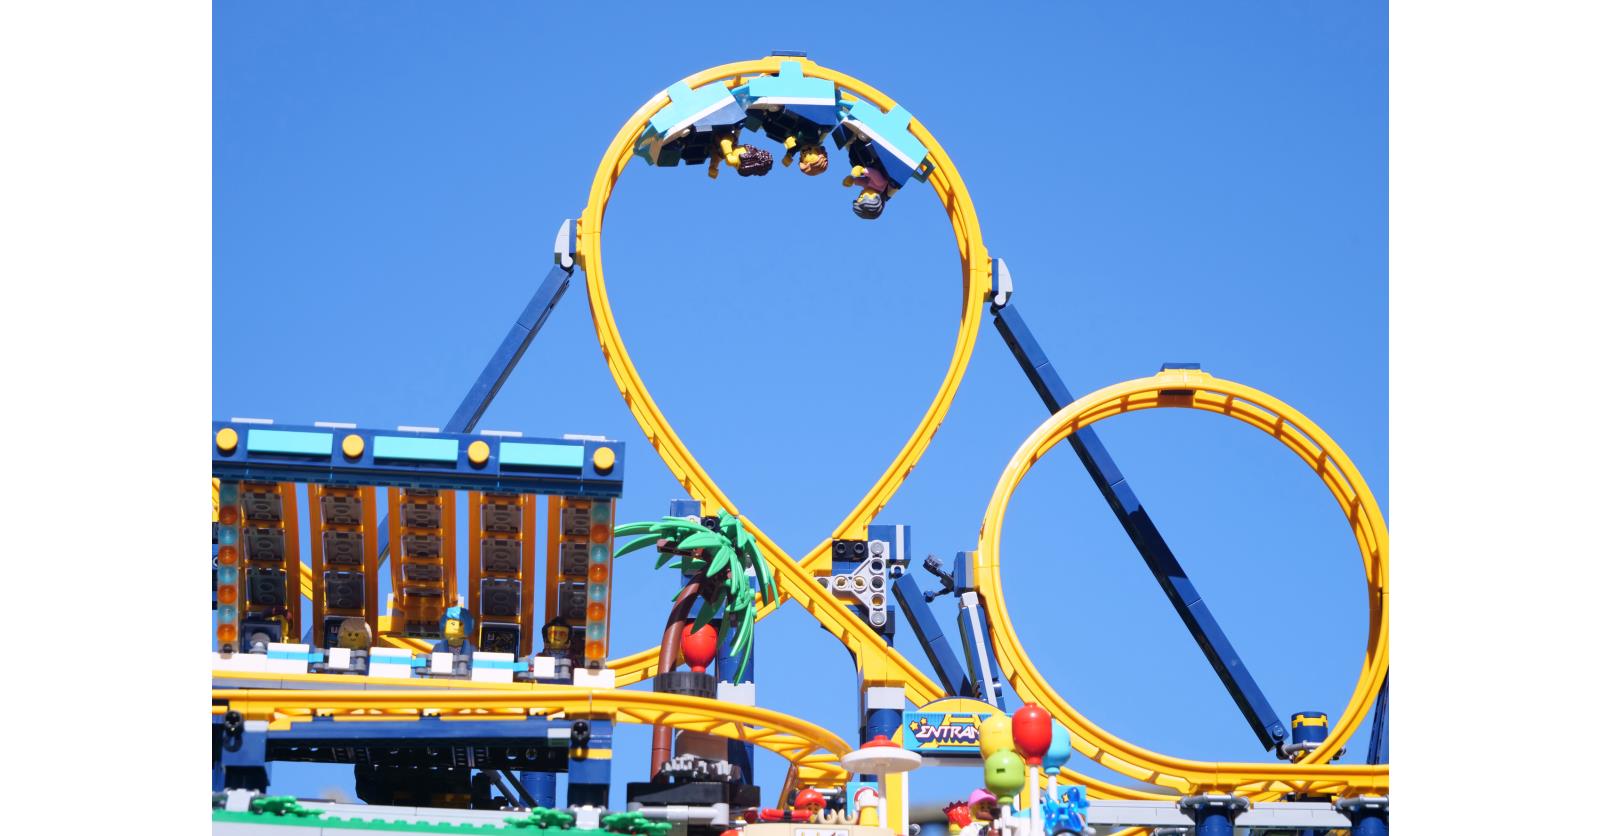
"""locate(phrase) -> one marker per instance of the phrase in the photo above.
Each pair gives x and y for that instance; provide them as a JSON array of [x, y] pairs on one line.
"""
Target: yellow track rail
[[1198, 390], [812, 750], [794, 579]]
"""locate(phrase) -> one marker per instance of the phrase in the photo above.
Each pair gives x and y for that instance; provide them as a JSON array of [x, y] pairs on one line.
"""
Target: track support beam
[[1135, 520]]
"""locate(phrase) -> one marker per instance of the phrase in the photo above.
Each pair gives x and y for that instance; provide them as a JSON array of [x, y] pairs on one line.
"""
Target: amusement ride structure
[[452, 714]]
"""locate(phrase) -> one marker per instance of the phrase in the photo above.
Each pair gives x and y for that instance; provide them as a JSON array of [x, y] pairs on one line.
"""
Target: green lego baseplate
[[536, 822]]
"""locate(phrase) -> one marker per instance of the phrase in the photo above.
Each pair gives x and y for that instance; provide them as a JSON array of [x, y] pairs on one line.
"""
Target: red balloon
[[1030, 731], [700, 647]]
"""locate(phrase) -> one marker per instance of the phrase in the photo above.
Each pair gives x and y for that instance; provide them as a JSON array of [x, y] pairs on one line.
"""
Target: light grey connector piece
[[566, 245], [868, 585], [1001, 282]]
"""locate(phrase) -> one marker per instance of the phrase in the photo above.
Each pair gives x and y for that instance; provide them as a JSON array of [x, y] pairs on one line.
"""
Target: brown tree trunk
[[671, 641]]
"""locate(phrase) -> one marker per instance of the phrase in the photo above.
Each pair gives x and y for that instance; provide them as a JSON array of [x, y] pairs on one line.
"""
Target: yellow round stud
[[604, 459], [227, 439], [353, 446], [478, 452]]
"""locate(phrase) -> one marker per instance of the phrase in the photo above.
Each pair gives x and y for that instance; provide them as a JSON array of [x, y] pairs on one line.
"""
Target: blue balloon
[[1060, 747]]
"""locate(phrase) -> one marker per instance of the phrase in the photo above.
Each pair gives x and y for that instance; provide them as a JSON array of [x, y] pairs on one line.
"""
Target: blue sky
[[1167, 181]]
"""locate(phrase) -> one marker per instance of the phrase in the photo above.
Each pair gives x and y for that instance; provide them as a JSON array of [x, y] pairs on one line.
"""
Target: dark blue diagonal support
[[946, 664], [505, 359], [1378, 745], [1142, 531], [517, 340]]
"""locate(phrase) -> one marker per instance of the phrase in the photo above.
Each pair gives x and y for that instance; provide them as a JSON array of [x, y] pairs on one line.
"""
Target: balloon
[[1004, 774], [1030, 731], [1060, 747], [994, 735]]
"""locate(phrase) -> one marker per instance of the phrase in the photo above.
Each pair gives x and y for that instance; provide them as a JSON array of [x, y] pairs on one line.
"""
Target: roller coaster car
[[885, 139], [791, 109], [689, 128]]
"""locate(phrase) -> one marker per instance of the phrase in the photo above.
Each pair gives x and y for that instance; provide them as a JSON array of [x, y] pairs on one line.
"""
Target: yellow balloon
[[994, 735]]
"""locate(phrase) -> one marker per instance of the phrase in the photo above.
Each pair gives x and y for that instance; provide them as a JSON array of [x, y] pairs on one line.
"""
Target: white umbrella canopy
[[880, 756]]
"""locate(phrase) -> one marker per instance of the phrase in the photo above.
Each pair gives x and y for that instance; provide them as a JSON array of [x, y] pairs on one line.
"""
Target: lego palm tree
[[719, 558]]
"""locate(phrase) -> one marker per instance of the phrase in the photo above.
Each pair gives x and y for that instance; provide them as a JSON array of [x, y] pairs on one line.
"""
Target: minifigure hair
[[868, 205], [817, 166], [754, 161]]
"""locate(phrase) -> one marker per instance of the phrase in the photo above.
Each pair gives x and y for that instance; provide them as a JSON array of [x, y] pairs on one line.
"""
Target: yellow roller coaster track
[[795, 579], [812, 751], [1198, 390]]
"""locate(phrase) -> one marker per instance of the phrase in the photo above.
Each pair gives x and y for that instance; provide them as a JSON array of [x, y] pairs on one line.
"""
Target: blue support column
[[1368, 814], [1213, 813], [1230, 668], [242, 756], [1378, 744], [589, 765], [540, 785], [946, 664], [742, 755]]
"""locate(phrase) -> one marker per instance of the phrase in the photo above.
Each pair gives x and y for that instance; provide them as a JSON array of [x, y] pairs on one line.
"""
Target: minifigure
[[985, 807], [875, 191], [558, 645], [808, 804], [748, 160], [456, 625], [356, 636], [866, 800]]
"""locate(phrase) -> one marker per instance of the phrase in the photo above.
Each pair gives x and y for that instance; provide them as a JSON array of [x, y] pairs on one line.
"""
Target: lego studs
[[353, 446], [227, 440], [478, 453], [604, 459]]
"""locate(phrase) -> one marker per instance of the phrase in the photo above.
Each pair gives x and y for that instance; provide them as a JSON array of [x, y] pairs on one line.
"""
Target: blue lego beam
[[409, 459], [1378, 745], [505, 358], [946, 664], [1142, 531], [517, 340]]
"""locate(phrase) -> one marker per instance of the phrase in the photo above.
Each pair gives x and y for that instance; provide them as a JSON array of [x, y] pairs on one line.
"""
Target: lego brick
[[420, 514], [492, 667], [496, 637], [344, 590], [501, 555], [410, 448], [502, 517], [499, 597], [883, 696], [341, 509], [289, 442], [444, 663], [263, 543], [339, 658], [342, 548], [544, 667], [586, 678], [239, 662], [741, 693], [290, 658], [541, 456]]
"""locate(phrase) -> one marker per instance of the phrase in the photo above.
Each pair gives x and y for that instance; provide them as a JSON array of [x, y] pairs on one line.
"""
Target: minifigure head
[[809, 801], [813, 160], [557, 635], [354, 634], [754, 161], [983, 805], [868, 205], [455, 624]]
